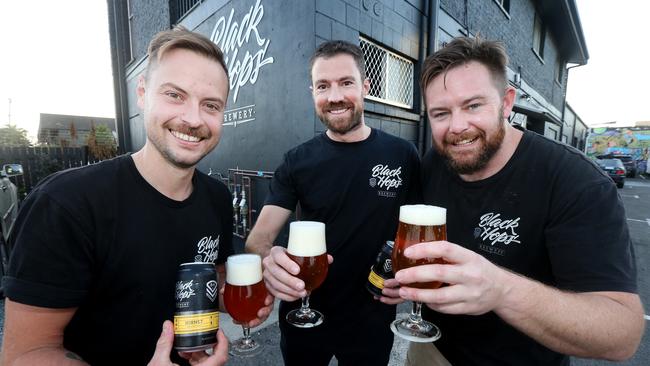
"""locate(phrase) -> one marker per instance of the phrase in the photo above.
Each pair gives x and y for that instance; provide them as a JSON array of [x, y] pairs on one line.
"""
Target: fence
[[39, 162]]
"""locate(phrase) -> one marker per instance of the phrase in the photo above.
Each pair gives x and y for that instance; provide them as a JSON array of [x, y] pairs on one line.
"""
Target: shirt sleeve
[[52, 257], [282, 191], [588, 241]]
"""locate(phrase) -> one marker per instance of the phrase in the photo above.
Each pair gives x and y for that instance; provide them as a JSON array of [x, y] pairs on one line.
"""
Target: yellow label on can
[[196, 323], [376, 280]]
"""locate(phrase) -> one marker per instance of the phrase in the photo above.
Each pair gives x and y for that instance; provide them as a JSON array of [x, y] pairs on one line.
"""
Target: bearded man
[[354, 179], [539, 262]]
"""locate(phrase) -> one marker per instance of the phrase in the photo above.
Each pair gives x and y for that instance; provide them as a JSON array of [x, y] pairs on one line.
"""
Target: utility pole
[[9, 120]]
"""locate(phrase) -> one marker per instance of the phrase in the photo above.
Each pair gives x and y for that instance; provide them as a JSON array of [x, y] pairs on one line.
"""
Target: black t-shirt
[[101, 239], [356, 190], [550, 214]]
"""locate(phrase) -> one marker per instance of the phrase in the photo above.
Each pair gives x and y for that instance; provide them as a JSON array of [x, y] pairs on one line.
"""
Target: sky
[[55, 58], [55, 61]]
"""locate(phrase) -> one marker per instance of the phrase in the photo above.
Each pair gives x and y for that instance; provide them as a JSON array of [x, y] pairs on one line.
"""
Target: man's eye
[[213, 107], [438, 115], [321, 87], [348, 83], [474, 106], [173, 95]]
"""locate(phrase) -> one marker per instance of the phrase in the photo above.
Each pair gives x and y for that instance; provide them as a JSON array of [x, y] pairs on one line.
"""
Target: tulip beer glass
[[307, 248], [417, 224], [244, 296]]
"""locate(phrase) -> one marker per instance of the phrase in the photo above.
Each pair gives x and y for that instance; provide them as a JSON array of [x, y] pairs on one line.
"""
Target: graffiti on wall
[[634, 141], [231, 35]]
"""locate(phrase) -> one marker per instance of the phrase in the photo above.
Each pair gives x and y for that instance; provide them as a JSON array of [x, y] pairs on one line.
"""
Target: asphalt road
[[636, 197]]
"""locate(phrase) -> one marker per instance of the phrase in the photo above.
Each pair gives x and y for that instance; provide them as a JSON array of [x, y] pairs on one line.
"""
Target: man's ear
[[140, 91], [508, 101], [366, 86]]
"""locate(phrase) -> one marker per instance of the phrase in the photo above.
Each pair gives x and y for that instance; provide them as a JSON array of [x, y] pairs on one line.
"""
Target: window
[[178, 9], [391, 75], [504, 4], [538, 37]]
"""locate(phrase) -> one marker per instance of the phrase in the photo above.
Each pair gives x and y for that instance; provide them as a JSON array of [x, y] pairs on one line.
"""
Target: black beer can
[[196, 320], [381, 270]]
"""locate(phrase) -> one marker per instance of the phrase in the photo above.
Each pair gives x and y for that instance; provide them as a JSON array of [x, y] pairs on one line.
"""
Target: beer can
[[381, 270], [196, 319]]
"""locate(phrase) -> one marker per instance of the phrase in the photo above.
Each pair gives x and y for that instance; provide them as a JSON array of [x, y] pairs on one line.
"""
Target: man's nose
[[335, 94], [457, 123], [192, 115]]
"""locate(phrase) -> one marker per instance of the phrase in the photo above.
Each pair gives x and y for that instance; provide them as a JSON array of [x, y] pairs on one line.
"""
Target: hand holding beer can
[[196, 319]]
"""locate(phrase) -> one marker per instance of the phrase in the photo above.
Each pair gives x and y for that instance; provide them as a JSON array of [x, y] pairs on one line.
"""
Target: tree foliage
[[101, 142], [12, 136]]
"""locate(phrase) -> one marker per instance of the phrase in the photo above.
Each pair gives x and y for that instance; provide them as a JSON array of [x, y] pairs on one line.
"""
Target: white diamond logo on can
[[211, 290]]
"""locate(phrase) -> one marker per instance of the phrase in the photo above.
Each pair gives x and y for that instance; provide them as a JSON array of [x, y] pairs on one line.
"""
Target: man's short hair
[[462, 50], [333, 48], [181, 38]]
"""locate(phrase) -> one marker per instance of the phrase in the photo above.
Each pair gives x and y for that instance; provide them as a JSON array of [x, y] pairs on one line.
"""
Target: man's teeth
[[338, 111], [464, 142], [185, 137]]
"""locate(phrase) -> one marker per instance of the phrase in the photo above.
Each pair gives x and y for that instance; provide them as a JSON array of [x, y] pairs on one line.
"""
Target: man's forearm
[[258, 243], [595, 325], [47, 356]]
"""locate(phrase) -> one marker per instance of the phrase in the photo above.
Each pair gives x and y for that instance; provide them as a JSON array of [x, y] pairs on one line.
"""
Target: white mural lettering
[[498, 230], [231, 35]]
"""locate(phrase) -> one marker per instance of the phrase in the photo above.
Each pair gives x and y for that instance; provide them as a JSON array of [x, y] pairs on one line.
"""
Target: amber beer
[[308, 249], [245, 292], [417, 224]]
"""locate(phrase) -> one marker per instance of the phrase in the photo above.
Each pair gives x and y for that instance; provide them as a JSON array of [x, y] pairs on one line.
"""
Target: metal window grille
[[391, 75], [178, 9]]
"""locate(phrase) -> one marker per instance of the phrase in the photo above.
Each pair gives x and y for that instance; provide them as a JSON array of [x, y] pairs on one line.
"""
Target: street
[[636, 197]]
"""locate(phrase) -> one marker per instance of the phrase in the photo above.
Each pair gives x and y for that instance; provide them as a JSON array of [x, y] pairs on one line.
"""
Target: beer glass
[[307, 248], [417, 224], [244, 296]]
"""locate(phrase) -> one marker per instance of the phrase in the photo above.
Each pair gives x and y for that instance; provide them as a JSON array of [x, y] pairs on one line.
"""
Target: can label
[[377, 281], [196, 319]]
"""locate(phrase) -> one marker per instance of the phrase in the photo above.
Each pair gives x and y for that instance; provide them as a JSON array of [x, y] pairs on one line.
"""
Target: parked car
[[628, 162], [615, 169], [8, 212]]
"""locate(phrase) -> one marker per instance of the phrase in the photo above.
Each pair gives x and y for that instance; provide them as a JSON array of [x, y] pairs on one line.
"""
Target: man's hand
[[476, 286], [390, 293], [280, 275], [165, 343]]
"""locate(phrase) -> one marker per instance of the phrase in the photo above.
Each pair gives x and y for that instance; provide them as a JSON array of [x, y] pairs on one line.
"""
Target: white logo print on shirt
[[207, 249], [385, 179], [495, 230]]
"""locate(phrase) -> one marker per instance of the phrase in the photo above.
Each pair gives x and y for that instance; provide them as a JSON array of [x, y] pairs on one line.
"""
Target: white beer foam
[[306, 238], [423, 215], [244, 269]]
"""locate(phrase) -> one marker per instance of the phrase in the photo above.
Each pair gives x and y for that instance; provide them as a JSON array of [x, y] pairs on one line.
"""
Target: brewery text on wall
[[234, 32]]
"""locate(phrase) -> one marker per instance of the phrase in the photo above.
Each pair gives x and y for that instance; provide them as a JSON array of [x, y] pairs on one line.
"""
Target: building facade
[[267, 44]]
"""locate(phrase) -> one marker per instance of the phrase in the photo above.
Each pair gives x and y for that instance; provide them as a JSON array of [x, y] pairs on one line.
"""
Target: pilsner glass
[[244, 296], [417, 224], [307, 248]]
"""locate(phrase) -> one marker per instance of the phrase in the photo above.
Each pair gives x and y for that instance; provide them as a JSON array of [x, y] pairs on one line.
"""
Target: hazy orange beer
[[313, 270], [245, 292], [417, 224], [307, 248], [244, 296]]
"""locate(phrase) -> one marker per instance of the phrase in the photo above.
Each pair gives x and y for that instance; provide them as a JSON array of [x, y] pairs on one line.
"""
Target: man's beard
[[487, 151], [341, 128]]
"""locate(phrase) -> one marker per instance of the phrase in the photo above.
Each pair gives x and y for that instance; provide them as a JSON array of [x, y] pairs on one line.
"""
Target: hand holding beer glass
[[308, 249], [417, 224], [244, 296]]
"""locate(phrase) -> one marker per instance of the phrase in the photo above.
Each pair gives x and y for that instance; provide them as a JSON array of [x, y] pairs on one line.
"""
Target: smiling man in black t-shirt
[[540, 263], [97, 249], [353, 178]]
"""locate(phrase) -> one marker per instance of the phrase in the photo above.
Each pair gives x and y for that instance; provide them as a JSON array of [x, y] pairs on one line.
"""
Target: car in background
[[628, 162], [9, 202], [615, 169]]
